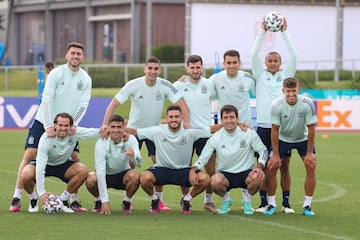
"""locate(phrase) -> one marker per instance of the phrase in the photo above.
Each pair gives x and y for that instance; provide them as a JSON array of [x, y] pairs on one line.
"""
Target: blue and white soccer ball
[[54, 204], [274, 21]]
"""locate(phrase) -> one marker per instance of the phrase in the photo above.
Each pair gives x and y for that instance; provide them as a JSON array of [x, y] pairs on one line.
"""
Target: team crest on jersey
[[301, 114], [183, 140], [186, 90], [123, 148], [241, 88], [223, 146], [80, 85], [31, 140], [203, 89], [71, 141], [158, 96], [242, 143], [222, 88]]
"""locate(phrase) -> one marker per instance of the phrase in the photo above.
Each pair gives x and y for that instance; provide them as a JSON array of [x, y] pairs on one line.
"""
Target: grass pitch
[[336, 202]]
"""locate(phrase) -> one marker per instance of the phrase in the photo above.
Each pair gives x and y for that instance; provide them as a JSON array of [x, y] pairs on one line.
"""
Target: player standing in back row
[[269, 83]]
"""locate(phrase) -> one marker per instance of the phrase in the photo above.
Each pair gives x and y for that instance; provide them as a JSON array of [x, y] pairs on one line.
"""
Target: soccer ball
[[53, 205], [274, 21]]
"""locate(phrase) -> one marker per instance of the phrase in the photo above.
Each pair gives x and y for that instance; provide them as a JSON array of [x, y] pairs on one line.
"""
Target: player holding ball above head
[[269, 83]]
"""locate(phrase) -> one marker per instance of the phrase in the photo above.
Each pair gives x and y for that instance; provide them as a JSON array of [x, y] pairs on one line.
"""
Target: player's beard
[[195, 76], [174, 125]]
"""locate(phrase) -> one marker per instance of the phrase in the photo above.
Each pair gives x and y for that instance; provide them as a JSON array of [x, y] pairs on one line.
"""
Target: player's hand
[[125, 137], [193, 177], [257, 174], [263, 25], [186, 125], [274, 162], [50, 132], [182, 78], [44, 198], [105, 208], [284, 27], [104, 131], [244, 126], [72, 130], [310, 160]]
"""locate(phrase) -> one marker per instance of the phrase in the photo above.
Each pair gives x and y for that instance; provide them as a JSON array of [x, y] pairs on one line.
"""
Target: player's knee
[[91, 180], [146, 177], [310, 165]]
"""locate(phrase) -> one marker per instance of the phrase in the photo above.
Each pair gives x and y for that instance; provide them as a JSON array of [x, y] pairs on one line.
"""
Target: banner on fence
[[333, 115]]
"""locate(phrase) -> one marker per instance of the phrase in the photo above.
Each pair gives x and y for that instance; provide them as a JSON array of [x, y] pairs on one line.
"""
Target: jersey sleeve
[[256, 63], [41, 162], [290, 68], [101, 147], [275, 111], [84, 102], [206, 153], [133, 143], [48, 96]]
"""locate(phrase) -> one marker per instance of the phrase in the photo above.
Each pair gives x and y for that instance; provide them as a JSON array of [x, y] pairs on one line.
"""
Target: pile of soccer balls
[[53, 205], [274, 21]]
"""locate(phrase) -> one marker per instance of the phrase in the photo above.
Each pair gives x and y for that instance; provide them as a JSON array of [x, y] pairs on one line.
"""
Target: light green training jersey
[[111, 158], [234, 151], [54, 151], [147, 102], [173, 150], [269, 86], [235, 91], [198, 99], [293, 119], [65, 91]]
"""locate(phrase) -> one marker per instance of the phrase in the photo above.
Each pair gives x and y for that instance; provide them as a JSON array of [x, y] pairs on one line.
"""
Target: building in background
[[121, 31], [112, 30]]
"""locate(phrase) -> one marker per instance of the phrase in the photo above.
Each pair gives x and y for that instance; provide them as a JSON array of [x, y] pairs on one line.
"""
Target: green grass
[[344, 84], [335, 203]]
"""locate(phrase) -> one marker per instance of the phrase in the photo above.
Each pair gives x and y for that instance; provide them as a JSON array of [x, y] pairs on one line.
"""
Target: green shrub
[[355, 83], [168, 53]]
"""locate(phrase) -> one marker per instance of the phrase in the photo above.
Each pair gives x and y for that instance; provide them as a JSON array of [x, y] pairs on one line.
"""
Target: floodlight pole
[[339, 40], [148, 28]]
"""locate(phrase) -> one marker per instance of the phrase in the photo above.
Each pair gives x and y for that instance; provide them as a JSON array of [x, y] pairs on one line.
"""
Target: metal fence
[[352, 65]]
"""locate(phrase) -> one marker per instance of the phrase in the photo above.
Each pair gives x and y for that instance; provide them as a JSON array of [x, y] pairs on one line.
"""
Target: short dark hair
[[116, 118], [173, 107], [194, 59], [273, 53], [64, 115], [75, 45], [228, 109], [232, 53], [49, 65], [291, 82], [152, 60]]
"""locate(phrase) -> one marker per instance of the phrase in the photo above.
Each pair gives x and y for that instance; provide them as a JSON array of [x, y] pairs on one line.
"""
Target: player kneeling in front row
[[235, 161], [54, 159], [112, 168], [173, 153]]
